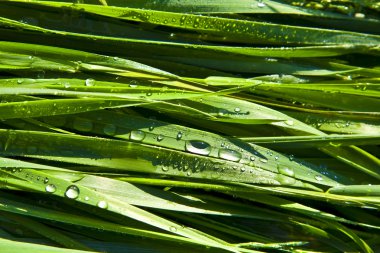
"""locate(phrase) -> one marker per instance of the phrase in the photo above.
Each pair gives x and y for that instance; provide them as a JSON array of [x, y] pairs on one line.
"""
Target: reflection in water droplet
[[102, 204], [82, 125], [198, 147], [286, 171], [90, 82], [72, 192], [318, 178], [50, 188], [160, 137], [229, 154], [109, 129], [137, 135]]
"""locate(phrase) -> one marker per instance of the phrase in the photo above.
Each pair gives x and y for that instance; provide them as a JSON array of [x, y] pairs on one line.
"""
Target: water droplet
[[237, 109], [198, 147], [160, 137], [173, 229], [242, 169], [46, 180], [90, 82], [318, 178], [291, 157], [261, 4], [102, 204], [179, 135], [109, 129], [222, 112], [133, 84], [165, 168], [50, 188], [285, 171], [229, 154], [188, 173], [263, 160], [137, 135], [72, 192], [252, 158], [20, 81], [82, 124], [87, 198], [276, 158]]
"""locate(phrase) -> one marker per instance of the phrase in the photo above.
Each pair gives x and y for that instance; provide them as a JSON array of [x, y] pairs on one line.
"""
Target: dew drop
[[263, 160], [89, 82], [291, 157], [82, 125], [179, 135], [109, 129], [133, 84], [86, 198], [51, 188], [46, 180], [165, 168], [237, 109], [173, 229], [160, 137], [102, 204], [229, 154], [198, 147], [242, 169], [286, 171], [261, 4], [318, 178], [72, 192], [252, 158], [137, 135]]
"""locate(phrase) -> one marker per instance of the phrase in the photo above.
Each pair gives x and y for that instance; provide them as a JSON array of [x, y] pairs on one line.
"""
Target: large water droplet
[[229, 154], [102, 204], [109, 129], [137, 135], [72, 192], [198, 147], [90, 82], [286, 171], [51, 188], [82, 125]]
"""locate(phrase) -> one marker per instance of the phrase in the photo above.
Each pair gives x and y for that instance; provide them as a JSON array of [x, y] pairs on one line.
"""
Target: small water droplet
[[165, 168], [237, 109], [242, 169], [72, 192], [291, 157], [133, 84], [252, 158], [102, 204], [160, 137], [51, 188], [198, 147], [46, 180], [263, 160], [82, 125], [137, 135], [318, 178], [179, 135], [90, 82], [20, 81], [173, 229], [229, 154], [87, 198], [261, 4], [285, 171], [276, 158], [109, 129]]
